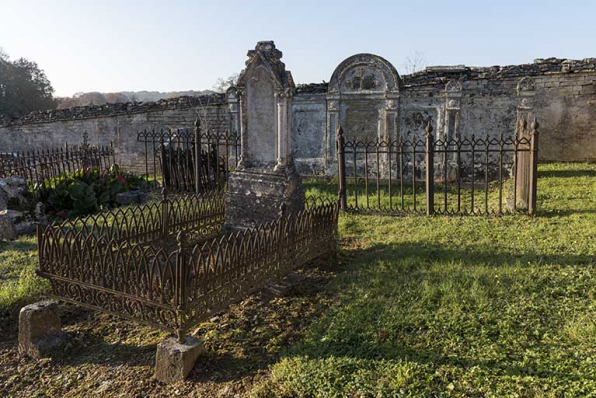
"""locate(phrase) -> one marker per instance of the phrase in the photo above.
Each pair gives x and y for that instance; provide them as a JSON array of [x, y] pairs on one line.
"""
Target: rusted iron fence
[[44, 166], [190, 160], [440, 176], [127, 263]]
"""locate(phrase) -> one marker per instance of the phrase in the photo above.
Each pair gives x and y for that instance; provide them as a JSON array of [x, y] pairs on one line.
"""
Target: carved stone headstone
[[526, 89], [266, 184]]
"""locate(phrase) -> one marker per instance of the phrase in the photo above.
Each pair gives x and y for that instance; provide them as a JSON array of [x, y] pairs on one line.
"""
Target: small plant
[[88, 191]]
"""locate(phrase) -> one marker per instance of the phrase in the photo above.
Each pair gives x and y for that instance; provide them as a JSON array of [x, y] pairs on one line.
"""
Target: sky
[[176, 45]]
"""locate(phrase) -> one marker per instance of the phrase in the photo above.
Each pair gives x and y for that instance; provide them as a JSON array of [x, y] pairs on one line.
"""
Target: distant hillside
[[95, 98]]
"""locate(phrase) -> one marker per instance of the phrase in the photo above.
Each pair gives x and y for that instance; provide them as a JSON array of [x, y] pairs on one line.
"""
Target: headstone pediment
[[267, 56]]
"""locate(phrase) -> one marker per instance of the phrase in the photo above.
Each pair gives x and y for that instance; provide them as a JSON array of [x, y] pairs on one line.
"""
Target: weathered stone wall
[[366, 96], [117, 123], [561, 94]]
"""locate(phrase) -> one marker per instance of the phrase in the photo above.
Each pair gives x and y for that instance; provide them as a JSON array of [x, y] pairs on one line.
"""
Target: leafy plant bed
[[88, 191]]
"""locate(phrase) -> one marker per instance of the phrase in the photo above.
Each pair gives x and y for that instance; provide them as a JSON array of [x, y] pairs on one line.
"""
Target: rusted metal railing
[[44, 166], [122, 262], [190, 160], [431, 176]]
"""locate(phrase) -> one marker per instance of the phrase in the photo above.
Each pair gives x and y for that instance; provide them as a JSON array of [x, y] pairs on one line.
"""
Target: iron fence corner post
[[162, 152], [39, 231], [112, 152], [430, 171], [533, 166], [164, 212], [181, 275], [197, 155], [341, 171]]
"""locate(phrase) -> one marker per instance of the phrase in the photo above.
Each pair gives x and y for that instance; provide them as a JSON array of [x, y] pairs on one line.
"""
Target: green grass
[[460, 306], [441, 306], [18, 283], [398, 199]]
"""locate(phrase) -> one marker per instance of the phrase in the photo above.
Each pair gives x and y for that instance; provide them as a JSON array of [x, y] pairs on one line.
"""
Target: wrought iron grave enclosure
[[190, 160], [445, 176], [159, 264]]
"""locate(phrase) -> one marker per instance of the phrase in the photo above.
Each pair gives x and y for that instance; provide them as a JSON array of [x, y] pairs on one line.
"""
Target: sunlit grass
[[459, 306]]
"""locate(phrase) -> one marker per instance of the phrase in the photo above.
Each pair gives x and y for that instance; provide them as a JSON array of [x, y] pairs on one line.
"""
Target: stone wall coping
[[431, 75], [540, 66], [114, 109]]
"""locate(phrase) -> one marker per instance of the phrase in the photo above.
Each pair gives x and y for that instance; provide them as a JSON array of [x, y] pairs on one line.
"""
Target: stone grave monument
[[265, 185]]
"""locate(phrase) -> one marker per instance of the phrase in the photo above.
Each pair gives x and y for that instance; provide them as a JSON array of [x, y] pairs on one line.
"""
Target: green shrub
[[88, 191]]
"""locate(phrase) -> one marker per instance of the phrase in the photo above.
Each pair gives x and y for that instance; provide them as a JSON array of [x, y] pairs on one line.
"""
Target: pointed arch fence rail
[[161, 265]]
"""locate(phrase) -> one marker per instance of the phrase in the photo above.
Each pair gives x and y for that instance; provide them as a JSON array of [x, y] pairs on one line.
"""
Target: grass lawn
[[458, 306], [445, 306]]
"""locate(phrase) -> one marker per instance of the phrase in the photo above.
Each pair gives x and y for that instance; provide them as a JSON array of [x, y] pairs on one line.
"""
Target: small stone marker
[[175, 360], [40, 329]]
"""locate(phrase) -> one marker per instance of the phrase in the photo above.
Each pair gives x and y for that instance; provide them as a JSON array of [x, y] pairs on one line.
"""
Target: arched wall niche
[[363, 97]]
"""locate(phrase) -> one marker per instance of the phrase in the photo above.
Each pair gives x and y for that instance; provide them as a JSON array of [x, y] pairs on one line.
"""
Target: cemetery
[[414, 255]]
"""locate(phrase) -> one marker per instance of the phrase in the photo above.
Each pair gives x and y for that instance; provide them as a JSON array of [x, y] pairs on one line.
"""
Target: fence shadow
[[566, 173], [423, 254]]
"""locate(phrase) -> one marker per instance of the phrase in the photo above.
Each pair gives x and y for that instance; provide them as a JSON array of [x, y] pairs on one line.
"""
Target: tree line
[[24, 87]]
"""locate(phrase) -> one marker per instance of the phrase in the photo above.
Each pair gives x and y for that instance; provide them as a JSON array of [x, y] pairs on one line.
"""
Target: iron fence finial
[[429, 128], [181, 239], [535, 125]]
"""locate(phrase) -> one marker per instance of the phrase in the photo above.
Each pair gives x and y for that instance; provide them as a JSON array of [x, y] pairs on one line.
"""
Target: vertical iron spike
[[341, 161]]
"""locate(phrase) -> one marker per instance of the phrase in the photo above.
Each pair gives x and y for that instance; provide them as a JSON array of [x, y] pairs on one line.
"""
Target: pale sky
[[175, 45]]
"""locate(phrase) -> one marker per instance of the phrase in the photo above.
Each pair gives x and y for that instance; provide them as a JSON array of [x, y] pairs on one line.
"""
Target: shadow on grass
[[429, 252], [352, 339], [563, 213], [106, 340], [18, 245], [566, 173]]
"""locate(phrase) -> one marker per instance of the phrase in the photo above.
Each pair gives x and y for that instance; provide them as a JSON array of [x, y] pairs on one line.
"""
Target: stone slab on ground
[[14, 223], [12, 188], [40, 329], [284, 286], [130, 197], [174, 360]]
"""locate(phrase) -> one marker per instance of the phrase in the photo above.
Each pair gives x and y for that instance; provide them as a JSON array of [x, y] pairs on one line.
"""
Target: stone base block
[[283, 287], [40, 329], [175, 360], [254, 197]]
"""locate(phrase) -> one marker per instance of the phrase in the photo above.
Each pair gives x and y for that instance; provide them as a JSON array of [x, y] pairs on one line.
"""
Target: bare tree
[[221, 85], [415, 62]]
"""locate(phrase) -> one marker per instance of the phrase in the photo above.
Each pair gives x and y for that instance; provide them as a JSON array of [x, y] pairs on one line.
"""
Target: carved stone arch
[[361, 72], [526, 85], [453, 87], [363, 98]]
